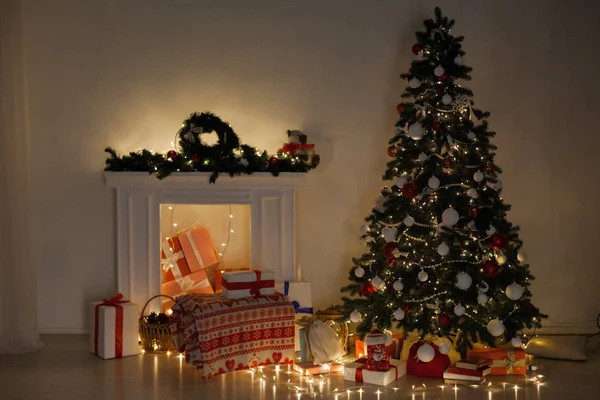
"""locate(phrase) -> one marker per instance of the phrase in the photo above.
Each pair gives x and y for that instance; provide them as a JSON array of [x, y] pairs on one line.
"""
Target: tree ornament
[[422, 157], [495, 327], [490, 168], [444, 348], [471, 136], [399, 108], [463, 281], [273, 160], [406, 308], [416, 49], [447, 99], [389, 233], [398, 285], [438, 71], [514, 291], [458, 60], [478, 176], [423, 276], [355, 316], [516, 341], [171, 154], [392, 151], [409, 221], [447, 163], [416, 131], [425, 353], [392, 261], [414, 83], [401, 181], [482, 298], [437, 125], [491, 230], [500, 258], [490, 269], [433, 182], [473, 211], [521, 256], [443, 320], [389, 248], [472, 193], [364, 229], [377, 282], [443, 77], [459, 310], [443, 249], [497, 241], [359, 272], [450, 216], [410, 190], [367, 289], [399, 314]]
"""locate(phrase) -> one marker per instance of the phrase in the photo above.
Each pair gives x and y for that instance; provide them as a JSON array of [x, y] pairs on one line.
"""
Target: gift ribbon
[[510, 362], [171, 261], [293, 147], [112, 302], [190, 238], [358, 374], [297, 308], [254, 286]]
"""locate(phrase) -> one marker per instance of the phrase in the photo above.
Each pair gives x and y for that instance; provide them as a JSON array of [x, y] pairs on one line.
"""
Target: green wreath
[[227, 156]]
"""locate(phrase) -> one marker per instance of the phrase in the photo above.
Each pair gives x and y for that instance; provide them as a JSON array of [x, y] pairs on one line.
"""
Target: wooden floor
[[65, 370]]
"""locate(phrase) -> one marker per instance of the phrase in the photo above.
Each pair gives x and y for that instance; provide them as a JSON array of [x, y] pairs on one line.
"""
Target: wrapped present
[[174, 264], [393, 349], [198, 249], [505, 361], [308, 368], [357, 372], [300, 295], [297, 145], [252, 283], [114, 333], [196, 282], [434, 368], [377, 358], [219, 277]]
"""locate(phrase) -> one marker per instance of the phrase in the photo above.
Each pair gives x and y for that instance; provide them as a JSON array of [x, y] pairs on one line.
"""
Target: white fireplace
[[139, 198]]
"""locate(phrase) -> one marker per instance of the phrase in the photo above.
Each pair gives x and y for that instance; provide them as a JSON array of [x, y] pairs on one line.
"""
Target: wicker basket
[[155, 337]]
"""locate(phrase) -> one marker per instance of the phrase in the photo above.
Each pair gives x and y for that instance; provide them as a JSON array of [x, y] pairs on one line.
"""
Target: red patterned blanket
[[222, 335]]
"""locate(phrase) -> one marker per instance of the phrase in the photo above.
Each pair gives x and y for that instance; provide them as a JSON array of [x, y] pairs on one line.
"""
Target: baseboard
[[64, 331]]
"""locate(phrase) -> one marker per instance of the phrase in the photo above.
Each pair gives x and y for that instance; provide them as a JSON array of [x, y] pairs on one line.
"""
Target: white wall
[[126, 73]]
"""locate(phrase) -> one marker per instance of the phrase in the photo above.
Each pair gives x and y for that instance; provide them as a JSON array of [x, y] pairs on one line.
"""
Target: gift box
[[252, 283], [114, 330], [393, 350], [433, 369], [505, 361], [358, 373], [198, 249], [300, 295], [308, 368], [196, 282], [219, 277], [174, 264]]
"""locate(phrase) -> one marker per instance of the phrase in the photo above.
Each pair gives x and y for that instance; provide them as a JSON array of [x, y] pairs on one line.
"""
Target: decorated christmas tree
[[442, 258]]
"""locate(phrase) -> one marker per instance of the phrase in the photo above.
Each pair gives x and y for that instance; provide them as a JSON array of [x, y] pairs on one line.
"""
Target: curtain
[[18, 303]]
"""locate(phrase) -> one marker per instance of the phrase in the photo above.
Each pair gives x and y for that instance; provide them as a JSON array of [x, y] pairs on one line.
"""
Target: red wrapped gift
[[196, 282], [393, 350], [174, 264], [252, 283], [505, 361], [199, 249], [434, 368]]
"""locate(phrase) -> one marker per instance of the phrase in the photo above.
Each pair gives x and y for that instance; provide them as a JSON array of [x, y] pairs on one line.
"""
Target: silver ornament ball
[[495, 327], [443, 249], [447, 99], [423, 276], [482, 298], [398, 285], [355, 316], [399, 314], [514, 291], [463, 281], [459, 310], [458, 60], [433, 182], [438, 71], [478, 176], [377, 282], [414, 83], [425, 353], [409, 221], [359, 272], [450, 216], [444, 348], [416, 131]]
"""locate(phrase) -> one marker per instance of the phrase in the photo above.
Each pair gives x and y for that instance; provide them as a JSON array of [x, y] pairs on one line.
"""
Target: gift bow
[[186, 284], [510, 362], [293, 147], [116, 299]]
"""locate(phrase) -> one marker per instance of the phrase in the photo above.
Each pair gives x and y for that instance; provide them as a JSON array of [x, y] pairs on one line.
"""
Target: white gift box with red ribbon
[[357, 372], [251, 283]]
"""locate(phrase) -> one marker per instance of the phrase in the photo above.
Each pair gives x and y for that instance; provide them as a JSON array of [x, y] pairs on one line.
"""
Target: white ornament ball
[[443, 249], [444, 348], [514, 291], [472, 193], [364, 229], [355, 316], [401, 180], [516, 341], [495, 327], [422, 157], [471, 136], [501, 258], [399, 314], [377, 282], [491, 230], [425, 353], [416, 131], [389, 233], [482, 298], [450, 216], [438, 71], [478, 176], [458, 60], [463, 281], [409, 221], [447, 99], [522, 256], [398, 285], [433, 182], [459, 310], [359, 272], [414, 83], [423, 276]]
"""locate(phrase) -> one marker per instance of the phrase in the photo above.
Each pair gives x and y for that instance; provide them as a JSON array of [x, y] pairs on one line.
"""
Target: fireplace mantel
[[139, 196]]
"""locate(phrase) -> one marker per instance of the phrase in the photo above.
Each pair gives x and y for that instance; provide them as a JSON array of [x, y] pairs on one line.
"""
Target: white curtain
[[18, 303]]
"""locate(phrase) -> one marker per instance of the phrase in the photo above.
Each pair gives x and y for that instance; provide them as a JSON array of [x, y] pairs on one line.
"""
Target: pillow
[[558, 347]]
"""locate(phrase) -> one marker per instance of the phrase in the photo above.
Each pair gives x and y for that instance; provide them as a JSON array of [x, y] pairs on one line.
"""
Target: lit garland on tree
[[442, 258], [229, 155]]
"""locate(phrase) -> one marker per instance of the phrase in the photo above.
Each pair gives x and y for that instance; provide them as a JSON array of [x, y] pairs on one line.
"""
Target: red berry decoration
[[392, 261], [392, 151], [367, 288], [444, 320], [171, 154], [497, 241], [273, 160], [443, 78], [447, 163], [491, 269], [406, 308], [196, 158], [416, 49], [389, 248], [490, 168], [399, 108], [410, 190], [437, 125]]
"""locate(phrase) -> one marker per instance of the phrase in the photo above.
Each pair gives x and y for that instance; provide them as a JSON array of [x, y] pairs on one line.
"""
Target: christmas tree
[[442, 257]]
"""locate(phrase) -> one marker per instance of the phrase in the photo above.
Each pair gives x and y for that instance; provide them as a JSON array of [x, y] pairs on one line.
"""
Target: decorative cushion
[[559, 347]]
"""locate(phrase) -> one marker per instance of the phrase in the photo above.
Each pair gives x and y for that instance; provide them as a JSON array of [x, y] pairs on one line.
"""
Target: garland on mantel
[[227, 156]]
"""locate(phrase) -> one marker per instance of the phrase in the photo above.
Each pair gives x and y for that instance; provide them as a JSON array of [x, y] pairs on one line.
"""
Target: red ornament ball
[[273, 160], [410, 190], [171, 154], [392, 151], [406, 308], [416, 49], [399, 108], [444, 320], [443, 78], [497, 241], [473, 211], [389, 248], [448, 163], [367, 288], [491, 269], [196, 158], [437, 125], [392, 261], [490, 168]]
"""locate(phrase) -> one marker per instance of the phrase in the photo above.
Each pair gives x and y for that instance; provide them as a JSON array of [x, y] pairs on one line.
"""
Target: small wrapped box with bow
[[505, 361], [251, 283]]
